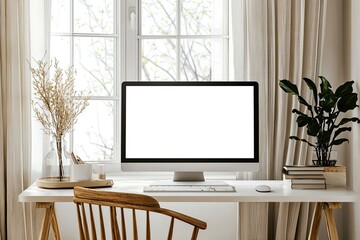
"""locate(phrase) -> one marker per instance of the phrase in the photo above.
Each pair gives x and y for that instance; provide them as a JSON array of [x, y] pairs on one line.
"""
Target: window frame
[[127, 59], [118, 73], [135, 36]]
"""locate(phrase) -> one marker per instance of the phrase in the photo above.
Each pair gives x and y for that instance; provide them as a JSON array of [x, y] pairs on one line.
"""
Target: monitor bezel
[[190, 164]]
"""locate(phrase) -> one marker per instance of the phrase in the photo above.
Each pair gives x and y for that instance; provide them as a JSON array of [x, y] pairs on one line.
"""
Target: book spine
[[320, 176], [308, 186], [302, 172], [308, 181]]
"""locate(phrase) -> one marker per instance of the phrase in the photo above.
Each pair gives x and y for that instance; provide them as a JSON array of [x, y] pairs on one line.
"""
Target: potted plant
[[55, 105], [322, 118]]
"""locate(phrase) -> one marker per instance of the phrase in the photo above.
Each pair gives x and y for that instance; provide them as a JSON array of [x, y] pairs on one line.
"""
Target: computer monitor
[[190, 127]]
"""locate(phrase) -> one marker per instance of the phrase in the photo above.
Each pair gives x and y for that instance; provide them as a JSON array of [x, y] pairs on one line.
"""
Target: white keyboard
[[189, 188]]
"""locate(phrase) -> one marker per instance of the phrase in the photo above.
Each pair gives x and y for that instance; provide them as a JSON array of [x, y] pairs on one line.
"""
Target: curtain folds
[[274, 40], [15, 119]]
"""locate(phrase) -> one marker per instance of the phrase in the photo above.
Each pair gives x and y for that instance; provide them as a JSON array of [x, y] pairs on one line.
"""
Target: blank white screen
[[189, 122]]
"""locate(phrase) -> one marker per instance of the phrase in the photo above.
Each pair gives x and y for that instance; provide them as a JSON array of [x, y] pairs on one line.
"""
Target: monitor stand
[[189, 178]]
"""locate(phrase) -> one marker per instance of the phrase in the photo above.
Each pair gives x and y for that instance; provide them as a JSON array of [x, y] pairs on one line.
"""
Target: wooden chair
[[118, 203]]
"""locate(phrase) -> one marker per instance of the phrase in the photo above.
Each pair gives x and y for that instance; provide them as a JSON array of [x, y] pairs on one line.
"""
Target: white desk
[[245, 192]]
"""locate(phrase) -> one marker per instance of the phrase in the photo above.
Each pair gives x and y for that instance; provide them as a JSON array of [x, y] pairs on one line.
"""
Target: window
[[183, 40], [109, 41], [84, 33]]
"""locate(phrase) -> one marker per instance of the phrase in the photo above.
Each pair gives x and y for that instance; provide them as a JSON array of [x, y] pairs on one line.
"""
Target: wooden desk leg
[[49, 220], [329, 220], [315, 223]]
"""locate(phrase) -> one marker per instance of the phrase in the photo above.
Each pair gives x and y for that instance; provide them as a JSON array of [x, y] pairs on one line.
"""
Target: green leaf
[[302, 140], [339, 141], [298, 112], [312, 87], [313, 127], [288, 87], [294, 138], [324, 137], [334, 115], [325, 85], [344, 89], [346, 120], [303, 101], [317, 109], [347, 102], [340, 130], [302, 120], [327, 104], [329, 120], [328, 101], [320, 118]]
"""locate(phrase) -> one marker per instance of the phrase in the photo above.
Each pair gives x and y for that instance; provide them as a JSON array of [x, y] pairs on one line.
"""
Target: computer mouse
[[263, 188]]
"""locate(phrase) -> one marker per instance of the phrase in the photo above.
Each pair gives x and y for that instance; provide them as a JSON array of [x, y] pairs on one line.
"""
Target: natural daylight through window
[[175, 40]]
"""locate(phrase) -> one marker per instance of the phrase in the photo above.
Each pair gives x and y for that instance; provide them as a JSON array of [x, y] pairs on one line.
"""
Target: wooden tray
[[55, 183]]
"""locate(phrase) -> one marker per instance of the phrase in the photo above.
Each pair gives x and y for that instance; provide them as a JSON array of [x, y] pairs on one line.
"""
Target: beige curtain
[[15, 120], [273, 40]]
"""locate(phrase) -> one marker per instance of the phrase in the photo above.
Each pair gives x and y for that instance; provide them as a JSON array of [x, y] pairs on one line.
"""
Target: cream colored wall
[[342, 62], [352, 71], [333, 69]]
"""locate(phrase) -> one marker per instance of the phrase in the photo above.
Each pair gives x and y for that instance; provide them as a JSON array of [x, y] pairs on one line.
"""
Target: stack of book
[[304, 177]]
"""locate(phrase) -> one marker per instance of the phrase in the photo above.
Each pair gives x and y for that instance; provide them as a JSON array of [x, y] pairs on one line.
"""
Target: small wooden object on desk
[[335, 176], [80, 175], [76, 159], [55, 183]]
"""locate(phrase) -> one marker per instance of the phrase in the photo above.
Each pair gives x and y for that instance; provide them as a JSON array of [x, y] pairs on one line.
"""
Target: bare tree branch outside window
[[190, 34], [180, 40]]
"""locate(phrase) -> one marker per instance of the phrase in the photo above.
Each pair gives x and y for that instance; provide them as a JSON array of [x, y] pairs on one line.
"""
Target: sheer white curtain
[[274, 40], [17, 220]]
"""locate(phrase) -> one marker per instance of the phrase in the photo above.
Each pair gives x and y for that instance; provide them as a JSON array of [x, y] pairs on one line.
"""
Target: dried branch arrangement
[[56, 109], [57, 104]]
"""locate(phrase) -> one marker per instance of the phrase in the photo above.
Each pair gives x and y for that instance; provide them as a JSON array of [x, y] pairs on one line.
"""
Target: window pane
[[94, 16], [94, 63], [203, 17], [158, 17], [94, 132], [202, 59], [60, 49], [60, 16], [158, 60]]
